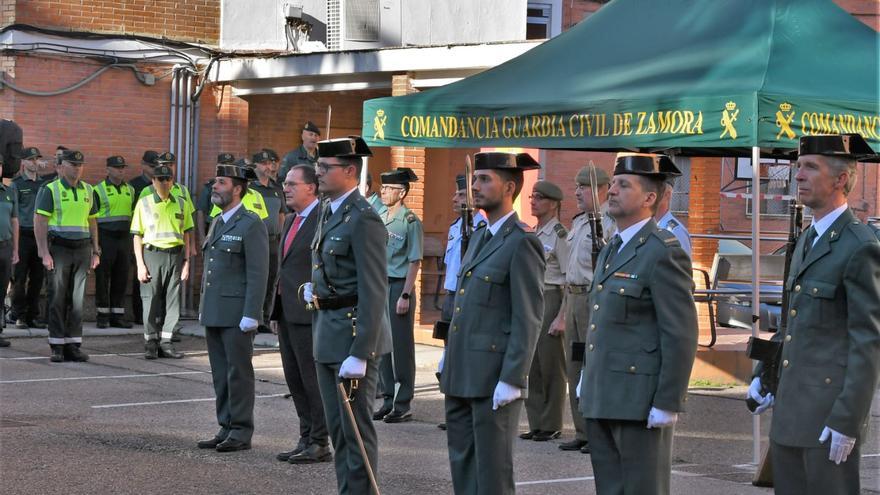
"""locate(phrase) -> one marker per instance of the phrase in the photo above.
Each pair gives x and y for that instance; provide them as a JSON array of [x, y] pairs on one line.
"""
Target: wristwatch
[[405, 296]]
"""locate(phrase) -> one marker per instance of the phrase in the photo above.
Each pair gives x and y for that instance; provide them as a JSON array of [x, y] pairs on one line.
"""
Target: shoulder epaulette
[[863, 232], [481, 224], [411, 217], [560, 230], [672, 224], [579, 215], [667, 237]]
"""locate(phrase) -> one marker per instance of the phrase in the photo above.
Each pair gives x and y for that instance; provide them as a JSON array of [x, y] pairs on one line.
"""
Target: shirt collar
[[630, 232], [335, 204], [495, 227], [79, 185], [548, 227], [226, 216], [308, 209], [664, 220], [827, 221]]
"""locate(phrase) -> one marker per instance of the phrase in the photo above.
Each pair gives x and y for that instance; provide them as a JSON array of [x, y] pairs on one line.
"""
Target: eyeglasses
[[393, 188], [538, 197]]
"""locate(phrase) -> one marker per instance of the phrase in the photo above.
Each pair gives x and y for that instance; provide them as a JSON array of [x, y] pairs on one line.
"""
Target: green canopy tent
[[686, 77], [698, 77]]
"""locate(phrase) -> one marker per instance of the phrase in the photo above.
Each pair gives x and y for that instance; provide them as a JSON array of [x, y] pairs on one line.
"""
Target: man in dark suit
[[292, 322], [831, 347], [349, 290], [642, 338], [498, 309], [236, 257]]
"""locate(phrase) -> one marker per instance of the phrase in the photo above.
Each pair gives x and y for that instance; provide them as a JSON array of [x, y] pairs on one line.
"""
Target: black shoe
[[120, 323], [312, 455], [57, 354], [585, 449], [167, 350], [175, 338], [36, 324], [4, 342], [543, 436], [381, 413], [21, 325], [398, 417], [442, 426], [232, 445], [102, 323], [151, 351], [302, 445], [572, 445], [210, 444], [528, 435], [263, 329], [73, 353]]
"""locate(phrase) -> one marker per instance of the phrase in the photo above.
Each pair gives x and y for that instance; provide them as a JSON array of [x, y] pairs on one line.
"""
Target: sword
[[346, 404]]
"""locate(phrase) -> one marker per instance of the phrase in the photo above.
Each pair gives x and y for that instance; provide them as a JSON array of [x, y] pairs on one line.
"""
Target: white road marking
[[111, 377], [870, 455], [559, 480], [163, 402], [126, 354]]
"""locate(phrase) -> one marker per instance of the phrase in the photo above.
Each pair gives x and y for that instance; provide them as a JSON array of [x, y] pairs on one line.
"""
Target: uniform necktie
[[613, 248], [291, 234], [809, 239]]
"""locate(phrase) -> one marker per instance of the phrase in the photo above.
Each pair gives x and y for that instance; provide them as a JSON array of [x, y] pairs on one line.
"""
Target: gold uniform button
[[468, 274], [209, 272], [788, 338], [348, 315], [458, 309], [454, 328], [632, 369], [486, 278], [591, 347], [592, 326], [208, 284], [797, 288], [793, 312], [785, 364], [211, 260], [599, 287], [815, 290], [606, 266], [461, 291], [621, 290], [828, 381], [595, 307]]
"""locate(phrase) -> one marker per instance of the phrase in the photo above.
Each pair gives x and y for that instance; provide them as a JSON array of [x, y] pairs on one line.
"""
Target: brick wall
[[183, 20]]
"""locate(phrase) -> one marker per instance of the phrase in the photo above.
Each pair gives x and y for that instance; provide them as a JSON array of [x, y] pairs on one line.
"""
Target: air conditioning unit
[[363, 24]]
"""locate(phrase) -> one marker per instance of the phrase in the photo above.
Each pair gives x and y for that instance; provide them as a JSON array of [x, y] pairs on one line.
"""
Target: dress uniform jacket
[[642, 338], [831, 350]]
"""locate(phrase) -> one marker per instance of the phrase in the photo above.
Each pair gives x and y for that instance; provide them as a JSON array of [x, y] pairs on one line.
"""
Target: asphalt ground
[[121, 424]]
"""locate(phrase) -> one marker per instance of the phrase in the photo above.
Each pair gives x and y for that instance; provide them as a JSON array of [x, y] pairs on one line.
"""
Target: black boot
[[4, 342], [167, 350], [119, 323], [73, 353], [57, 353], [151, 350], [103, 321]]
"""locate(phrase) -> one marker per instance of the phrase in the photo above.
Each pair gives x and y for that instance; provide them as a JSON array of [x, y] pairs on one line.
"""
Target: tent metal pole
[[362, 187], [756, 285]]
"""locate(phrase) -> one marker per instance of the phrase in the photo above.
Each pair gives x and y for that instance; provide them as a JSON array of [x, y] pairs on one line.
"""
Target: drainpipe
[[173, 119]]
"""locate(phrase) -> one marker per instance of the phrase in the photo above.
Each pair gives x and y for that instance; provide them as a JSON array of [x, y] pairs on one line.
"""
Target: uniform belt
[[396, 279], [25, 232], [577, 289], [552, 287], [337, 302], [171, 250], [70, 243]]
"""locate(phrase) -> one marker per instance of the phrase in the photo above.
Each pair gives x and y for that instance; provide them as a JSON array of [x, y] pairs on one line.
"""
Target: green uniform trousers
[[111, 276], [628, 458], [67, 287], [161, 295], [398, 368], [230, 352], [577, 318], [807, 471], [547, 375]]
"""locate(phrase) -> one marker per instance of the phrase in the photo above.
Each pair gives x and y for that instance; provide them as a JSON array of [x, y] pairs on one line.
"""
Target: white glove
[[248, 324], [765, 402], [841, 445], [353, 367], [307, 292], [505, 393], [577, 391], [440, 364], [658, 418]]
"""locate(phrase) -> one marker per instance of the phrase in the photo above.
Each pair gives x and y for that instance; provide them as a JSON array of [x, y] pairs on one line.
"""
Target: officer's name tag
[[230, 238], [632, 276]]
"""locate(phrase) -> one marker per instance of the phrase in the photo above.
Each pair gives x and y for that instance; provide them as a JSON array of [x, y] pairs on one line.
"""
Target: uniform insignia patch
[[560, 230], [230, 238], [631, 276]]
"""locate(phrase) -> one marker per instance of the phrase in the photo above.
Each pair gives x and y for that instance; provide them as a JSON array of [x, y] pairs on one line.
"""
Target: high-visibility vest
[[252, 201], [71, 210], [161, 223], [115, 204]]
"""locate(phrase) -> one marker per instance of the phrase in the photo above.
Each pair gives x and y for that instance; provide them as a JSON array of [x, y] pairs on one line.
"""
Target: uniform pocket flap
[[492, 275], [232, 290], [821, 376], [634, 362], [822, 290], [229, 247], [627, 288], [336, 246], [490, 343]]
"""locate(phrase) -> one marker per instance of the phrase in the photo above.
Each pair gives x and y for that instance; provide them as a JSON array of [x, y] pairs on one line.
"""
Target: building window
[[543, 19], [777, 185], [681, 189]]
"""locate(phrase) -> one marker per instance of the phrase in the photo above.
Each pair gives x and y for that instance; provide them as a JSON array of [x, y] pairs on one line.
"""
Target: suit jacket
[[499, 303], [642, 338], [348, 257], [294, 269], [831, 350], [236, 267]]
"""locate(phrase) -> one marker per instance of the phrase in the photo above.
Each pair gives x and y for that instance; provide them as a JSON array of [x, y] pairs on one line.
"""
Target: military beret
[[162, 171], [150, 157], [460, 182], [548, 189], [265, 155], [116, 161], [236, 172], [646, 164], [400, 175], [851, 146], [72, 156], [311, 127], [350, 147], [583, 177], [167, 157], [29, 153], [225, 158], [489, 160]]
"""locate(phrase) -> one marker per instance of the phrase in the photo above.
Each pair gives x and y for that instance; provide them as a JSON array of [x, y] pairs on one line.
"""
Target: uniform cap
[[116, 161], [236, 172], [646, 164], [72, 156], [350, 147], [548, 189], [504, 160], [167, 157], [400, 175], [162, 171], [460, 182], [311, 127], [265, 155], [29, 153], [225, 159], [150, 157], [851, 146]]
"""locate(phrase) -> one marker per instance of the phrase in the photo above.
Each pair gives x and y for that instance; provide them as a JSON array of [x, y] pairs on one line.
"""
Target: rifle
[[595, 218], [441, 327]]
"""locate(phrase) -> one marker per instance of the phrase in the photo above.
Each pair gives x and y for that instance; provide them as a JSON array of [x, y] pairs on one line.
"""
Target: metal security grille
[[334, 25], [361, 20], [681, 191]]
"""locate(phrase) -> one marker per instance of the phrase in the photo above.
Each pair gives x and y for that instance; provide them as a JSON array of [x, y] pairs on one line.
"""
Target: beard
[[221, 199]]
